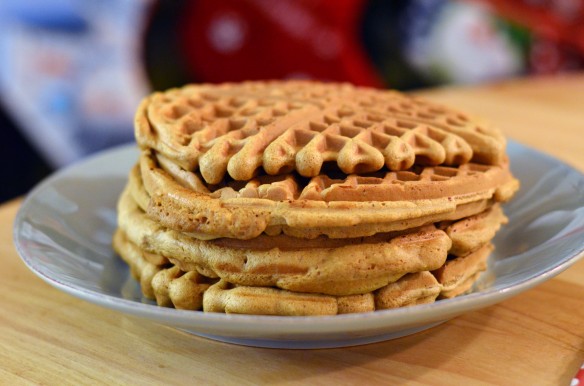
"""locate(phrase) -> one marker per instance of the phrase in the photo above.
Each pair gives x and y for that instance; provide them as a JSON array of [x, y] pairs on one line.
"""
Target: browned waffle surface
[[349, 207], [330, 266], [171, 286], [239, 130], [458, 275]]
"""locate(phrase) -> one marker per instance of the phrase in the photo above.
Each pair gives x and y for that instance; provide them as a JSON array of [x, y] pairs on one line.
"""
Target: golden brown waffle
[[346, 269], [350, 207], [141, 269], [280, 127], [183, 290], [472, 233], [458, 275], [330, 266], [173, 287], [409, 290]]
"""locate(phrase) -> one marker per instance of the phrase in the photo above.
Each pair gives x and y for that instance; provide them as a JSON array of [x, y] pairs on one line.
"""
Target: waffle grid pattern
[[276, 128]]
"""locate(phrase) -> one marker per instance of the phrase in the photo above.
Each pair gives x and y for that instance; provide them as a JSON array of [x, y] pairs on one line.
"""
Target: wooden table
[[536, 338]]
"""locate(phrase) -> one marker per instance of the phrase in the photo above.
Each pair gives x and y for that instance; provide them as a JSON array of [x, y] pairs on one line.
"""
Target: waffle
[[280, 127], [418, 288], [348, 268], [458, 275], [353, 206], [170, 286], [411, 289], [329, 266], [472, 233]]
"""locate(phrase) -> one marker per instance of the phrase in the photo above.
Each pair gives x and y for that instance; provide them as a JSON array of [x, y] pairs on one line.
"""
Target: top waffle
[[241, 130]]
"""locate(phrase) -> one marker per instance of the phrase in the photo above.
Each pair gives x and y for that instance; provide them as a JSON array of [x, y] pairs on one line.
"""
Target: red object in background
[[557, 28], [236, 40], [561, 21], [548, 57], [578, 379]]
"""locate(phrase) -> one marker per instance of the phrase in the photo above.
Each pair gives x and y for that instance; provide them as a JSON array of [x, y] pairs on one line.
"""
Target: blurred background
[[73, 71]]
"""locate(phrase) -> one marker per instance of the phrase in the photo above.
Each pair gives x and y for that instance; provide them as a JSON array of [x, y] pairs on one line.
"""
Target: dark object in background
[[161, 50], [22, 167]]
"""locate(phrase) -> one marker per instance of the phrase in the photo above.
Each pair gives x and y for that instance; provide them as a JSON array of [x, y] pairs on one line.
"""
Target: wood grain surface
[[535, 338]]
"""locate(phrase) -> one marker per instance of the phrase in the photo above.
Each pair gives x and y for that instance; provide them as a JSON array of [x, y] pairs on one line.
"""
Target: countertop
[[535, 338]]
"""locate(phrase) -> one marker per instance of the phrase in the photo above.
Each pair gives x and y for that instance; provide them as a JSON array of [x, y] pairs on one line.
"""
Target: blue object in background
[[71, 74]]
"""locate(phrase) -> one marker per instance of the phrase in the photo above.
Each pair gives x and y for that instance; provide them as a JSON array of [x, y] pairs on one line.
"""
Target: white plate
[[64, 227]]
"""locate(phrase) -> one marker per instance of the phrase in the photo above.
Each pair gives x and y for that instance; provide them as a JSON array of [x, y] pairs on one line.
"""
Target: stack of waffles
[[304, 198]]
